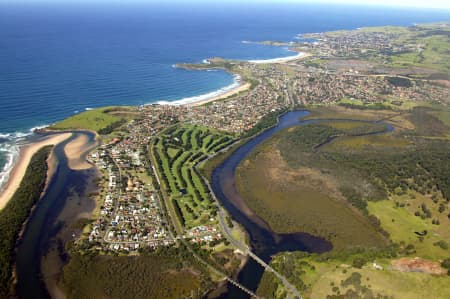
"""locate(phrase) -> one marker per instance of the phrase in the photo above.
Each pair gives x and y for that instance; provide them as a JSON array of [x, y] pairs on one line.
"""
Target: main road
[[181, 236], [244, 248]]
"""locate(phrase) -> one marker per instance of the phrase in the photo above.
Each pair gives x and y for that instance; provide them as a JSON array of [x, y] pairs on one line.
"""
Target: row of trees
[[269, 120]]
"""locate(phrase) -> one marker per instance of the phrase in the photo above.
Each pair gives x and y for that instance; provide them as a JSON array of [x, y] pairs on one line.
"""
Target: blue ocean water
[[59, 59]]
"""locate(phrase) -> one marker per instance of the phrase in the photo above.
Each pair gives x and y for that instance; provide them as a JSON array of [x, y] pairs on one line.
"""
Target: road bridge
[[244, 248], [242, 288]]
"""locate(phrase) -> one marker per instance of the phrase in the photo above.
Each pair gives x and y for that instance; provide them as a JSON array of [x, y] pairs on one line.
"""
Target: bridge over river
[[246, 250]]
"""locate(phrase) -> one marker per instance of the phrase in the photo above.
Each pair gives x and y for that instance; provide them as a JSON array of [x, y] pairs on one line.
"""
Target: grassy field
[[397, 216], [443, 116], [102, 120], [389, 103], [177, 151], [320, 277], [333, 278], [341, 112], [358, 104], [434, 55], [384, 283]]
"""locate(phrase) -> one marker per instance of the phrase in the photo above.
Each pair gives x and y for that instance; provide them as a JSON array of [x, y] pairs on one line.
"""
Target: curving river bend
[[263, 241], [65, 199]]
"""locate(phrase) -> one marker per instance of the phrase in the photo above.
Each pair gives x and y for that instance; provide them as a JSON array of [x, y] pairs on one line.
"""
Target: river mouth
[[51, 224]]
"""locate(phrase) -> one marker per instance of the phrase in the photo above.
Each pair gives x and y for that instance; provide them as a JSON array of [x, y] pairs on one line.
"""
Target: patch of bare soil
[[417, 265]]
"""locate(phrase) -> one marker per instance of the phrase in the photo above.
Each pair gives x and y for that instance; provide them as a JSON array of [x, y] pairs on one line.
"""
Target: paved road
[[235, 283], [244, 248]]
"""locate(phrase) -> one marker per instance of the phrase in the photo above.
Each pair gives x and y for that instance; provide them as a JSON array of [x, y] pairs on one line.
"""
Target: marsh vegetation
[[397, 182]]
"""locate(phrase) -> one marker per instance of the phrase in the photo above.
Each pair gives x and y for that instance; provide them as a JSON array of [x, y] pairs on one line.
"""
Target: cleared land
[[397, 216], [102, 120], [339, 277]]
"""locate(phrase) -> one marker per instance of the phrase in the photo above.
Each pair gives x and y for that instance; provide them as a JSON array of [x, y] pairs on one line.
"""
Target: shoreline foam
[[238, 89], [10, 147], [207, 97], [11, 153], [20, 166], [279, 59]]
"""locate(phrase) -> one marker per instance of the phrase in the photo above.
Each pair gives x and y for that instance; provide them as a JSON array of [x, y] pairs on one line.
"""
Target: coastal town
[[132, 211], [130, 216], [153, 165]]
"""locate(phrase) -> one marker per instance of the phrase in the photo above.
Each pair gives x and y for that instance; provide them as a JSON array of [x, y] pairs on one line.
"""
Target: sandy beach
[[232, 92], [20, 167], [281, 59], [76, 151]]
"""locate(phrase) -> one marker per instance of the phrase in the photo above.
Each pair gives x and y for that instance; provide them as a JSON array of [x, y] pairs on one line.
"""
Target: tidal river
[[40, 253], [52, 223], [263, 241]]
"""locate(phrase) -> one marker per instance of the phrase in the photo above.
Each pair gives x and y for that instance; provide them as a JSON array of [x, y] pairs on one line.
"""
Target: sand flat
[[20, 168], [75, 151]]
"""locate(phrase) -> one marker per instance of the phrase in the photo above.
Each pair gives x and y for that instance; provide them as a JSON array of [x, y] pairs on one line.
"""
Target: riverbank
[[20, 167], [40, 254], [264, 242], [15, 214]]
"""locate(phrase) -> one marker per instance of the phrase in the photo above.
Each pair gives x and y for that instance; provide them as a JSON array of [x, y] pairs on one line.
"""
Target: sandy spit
[[18, 172]]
